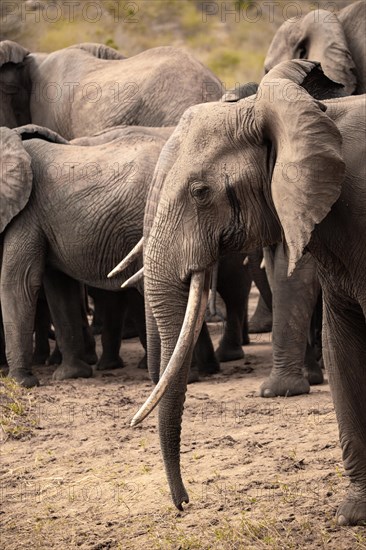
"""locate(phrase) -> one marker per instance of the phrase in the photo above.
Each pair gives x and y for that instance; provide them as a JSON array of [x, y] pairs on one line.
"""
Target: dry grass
[[232, 44], [17, 417]]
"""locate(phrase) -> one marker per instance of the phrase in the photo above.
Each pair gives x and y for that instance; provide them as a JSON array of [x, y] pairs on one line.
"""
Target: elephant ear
[[33, 131], [318, 36], [11, 52], [309, 169], [98, 50], [16, 176]]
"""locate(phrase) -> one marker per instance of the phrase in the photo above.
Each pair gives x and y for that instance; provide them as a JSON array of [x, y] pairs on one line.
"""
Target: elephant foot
[[352, 511], [226, 353], [194, 375], [143, 363], [208, 368], [91, 358], [314, 375], [55, 358], [285, 386], [109, 364], [261, 321], [312, 371], [24, 378], [76, 369], [246, 340]]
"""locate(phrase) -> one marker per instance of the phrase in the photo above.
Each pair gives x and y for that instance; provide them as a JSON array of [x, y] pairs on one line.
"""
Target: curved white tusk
[[135, 253], [134, 279], [246, 260], [263, 263], [187, 335], [212, 301]]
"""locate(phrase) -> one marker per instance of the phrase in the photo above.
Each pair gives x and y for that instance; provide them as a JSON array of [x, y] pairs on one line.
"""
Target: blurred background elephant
[[337, 40], [83, 89]]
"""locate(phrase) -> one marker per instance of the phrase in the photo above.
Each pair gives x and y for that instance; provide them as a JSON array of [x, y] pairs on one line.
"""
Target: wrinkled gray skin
[[81, 213], [338, 42], [86, 88], [239, 176], [151, 89]]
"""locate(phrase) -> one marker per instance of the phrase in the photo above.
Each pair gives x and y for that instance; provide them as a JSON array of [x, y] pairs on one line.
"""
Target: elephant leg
[[136, 316], [233, 284], [41, 327], [261, 320], [114, 312], [294, 299], [97, 322], [204, 360], [2, 341], [21, 279], [344, 351], [90, 355], [63, 296], [316, 328], [56, 356]]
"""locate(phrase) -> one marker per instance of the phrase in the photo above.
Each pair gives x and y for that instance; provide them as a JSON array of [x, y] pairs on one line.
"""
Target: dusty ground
[[260, 473]]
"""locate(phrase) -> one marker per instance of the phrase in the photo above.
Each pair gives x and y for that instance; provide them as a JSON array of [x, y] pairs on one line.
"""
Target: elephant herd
[[103, 154]]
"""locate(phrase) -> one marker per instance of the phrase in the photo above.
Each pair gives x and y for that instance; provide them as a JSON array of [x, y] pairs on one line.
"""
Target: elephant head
[[14, 96], [233, 176], [19, 76], [318, 35]]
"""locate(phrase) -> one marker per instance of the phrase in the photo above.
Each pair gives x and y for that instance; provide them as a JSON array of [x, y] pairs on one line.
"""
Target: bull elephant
[[81, 90], [279, 164]]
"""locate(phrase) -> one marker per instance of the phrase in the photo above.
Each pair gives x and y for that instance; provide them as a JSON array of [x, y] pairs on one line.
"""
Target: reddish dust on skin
[[260, 473]]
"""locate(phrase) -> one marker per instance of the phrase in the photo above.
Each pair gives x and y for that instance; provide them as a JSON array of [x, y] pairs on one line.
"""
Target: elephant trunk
[[179, 316]]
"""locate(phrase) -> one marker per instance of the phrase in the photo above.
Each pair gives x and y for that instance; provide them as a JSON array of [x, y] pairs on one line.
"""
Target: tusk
[[246, 260], [188, 333], [263, 263], [212, 302], [134, 279], [135, 253]]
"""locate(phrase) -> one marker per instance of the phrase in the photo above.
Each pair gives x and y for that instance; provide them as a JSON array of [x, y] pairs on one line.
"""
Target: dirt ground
[[260, 473]]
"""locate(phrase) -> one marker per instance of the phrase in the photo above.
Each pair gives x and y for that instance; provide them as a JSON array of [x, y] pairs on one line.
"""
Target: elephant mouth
[[196, 307]]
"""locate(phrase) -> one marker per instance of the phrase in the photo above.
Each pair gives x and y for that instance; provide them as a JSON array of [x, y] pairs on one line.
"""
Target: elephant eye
[[301, 51], [200, 191]]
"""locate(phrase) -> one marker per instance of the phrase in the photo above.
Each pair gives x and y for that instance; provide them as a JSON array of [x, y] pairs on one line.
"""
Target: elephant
[[58, 201], [279, 166], [83, 89], [61, 245], [336, 40]]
